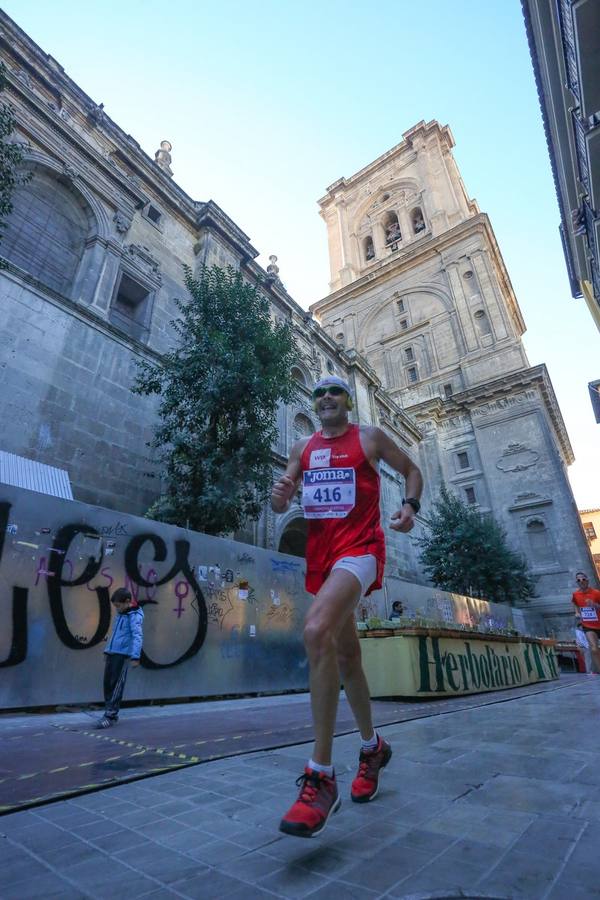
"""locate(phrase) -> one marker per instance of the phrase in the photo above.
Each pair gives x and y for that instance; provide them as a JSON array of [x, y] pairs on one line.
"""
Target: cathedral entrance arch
[[293, 537]]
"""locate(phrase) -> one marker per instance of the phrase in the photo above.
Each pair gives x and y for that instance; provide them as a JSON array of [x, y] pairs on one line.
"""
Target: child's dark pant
[[115, 673]]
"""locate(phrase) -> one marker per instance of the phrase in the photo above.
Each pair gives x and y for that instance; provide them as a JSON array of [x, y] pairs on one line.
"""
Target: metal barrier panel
[[220, 617]]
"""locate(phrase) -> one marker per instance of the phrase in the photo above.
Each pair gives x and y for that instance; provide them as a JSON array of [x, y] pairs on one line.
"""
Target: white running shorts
[[364, 569]]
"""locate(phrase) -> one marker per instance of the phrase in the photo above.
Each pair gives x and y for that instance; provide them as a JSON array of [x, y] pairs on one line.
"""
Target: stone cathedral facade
[[421, 319], [420, 290]]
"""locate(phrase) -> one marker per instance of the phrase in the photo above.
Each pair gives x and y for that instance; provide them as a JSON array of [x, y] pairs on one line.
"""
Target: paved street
[[44, 757], [498, 800]]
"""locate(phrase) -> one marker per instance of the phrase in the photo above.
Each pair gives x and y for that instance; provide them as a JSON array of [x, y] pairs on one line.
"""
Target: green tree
[[219, 390], [11, 158], [466, 552]]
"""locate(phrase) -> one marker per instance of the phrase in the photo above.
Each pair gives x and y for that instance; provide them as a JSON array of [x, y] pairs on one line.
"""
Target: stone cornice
[[210, 214], [43, 115], [405, 146], [465, 401], [139, 171]]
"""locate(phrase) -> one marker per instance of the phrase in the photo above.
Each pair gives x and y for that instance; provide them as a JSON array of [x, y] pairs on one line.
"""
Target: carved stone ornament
[[516, 458], [315, 364], [69, 171], [501, 403], [23, 76], [122, 221], [96, 113], [143, 260]]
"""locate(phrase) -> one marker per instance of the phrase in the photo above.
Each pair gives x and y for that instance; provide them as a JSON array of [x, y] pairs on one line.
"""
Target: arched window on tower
[[369, 249], [482, 322], [46, 231], [417, 221], [303, 427], [539, 540], [392, 229], [298, 375]]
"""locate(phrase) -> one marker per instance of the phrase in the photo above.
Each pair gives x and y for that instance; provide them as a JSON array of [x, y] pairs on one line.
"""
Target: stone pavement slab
[[44, 757], [492, 801]]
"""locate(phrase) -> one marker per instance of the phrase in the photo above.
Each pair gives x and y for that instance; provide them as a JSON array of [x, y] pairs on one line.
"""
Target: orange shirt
[[588, 602]]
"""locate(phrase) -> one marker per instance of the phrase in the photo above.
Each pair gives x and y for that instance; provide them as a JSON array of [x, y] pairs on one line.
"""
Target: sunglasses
[[333, 389]]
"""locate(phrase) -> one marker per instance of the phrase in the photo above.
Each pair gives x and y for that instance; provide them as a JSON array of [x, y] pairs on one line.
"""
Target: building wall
[[590, 520], [99, 209]]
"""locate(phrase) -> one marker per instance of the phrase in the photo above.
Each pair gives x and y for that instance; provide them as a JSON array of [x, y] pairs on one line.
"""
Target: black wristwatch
[[412, 501]]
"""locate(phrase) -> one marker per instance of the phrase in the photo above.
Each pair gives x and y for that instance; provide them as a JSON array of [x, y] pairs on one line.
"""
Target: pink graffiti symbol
[[182, 589], [42, 570], [151, 591]]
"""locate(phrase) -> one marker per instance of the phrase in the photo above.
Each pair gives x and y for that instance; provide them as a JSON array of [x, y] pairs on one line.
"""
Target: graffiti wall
[[219, 617]]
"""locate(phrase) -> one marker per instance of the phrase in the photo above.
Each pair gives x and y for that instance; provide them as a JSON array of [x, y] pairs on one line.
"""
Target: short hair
[[121, 595]]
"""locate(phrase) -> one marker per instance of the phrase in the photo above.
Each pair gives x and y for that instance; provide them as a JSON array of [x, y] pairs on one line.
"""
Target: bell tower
[[419, 288]]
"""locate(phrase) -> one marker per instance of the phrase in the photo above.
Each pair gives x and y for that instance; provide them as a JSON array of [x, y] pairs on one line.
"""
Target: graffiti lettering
[[58, 572], [181, 564]]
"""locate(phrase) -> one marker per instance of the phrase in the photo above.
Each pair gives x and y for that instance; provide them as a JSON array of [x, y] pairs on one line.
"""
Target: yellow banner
[[428, 666]]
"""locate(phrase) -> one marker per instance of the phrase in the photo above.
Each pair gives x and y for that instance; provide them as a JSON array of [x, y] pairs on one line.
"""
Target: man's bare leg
[[592, 639], [353, 678], [332, 608]]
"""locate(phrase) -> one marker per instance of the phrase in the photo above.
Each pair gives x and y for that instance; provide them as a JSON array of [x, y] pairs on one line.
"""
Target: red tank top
[[341, 503]]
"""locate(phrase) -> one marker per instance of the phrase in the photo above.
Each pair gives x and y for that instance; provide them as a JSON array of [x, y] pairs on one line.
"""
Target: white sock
[[371, 743], [317, 767]]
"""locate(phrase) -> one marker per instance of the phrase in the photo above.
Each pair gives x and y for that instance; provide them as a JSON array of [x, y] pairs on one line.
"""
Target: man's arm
[[383, 447], [286, 486]]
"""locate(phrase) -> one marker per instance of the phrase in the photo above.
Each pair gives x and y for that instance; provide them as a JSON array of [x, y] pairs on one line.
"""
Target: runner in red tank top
[[354, 532], [345, 556]]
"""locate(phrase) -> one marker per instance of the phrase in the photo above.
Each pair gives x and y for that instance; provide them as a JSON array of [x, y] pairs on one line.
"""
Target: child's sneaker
[[366, 784], [105, 722], [318, 799]]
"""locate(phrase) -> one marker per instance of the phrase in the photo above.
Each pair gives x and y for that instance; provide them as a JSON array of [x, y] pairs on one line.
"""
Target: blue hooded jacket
[[127, 635]]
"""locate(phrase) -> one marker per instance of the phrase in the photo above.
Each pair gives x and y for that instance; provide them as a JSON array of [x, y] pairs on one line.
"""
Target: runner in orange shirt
[[586, 601]]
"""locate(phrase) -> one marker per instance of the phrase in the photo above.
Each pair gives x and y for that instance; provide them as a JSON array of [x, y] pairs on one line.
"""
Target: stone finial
[[162, 157], [273, 268]]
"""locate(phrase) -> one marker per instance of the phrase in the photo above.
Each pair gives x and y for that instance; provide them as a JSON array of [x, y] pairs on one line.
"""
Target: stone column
[[429, 179], [462, 310], [490, 292], [405, 225], [347, 273], [379, 240], [89, 271], [357, 259], [106, 282]]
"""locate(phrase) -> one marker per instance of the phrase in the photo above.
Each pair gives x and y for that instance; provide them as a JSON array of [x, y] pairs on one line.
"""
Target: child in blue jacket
[[125, 644]]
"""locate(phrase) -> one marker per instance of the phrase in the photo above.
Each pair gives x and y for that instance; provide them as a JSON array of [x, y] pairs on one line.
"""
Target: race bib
[[328, 493], [589, 614]]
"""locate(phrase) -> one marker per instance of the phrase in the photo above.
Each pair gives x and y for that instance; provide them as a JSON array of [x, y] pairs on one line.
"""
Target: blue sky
[[268, 103]]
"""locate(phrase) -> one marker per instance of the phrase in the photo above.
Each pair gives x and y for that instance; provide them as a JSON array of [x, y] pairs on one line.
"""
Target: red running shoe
[[366, 784], [318, 799]]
